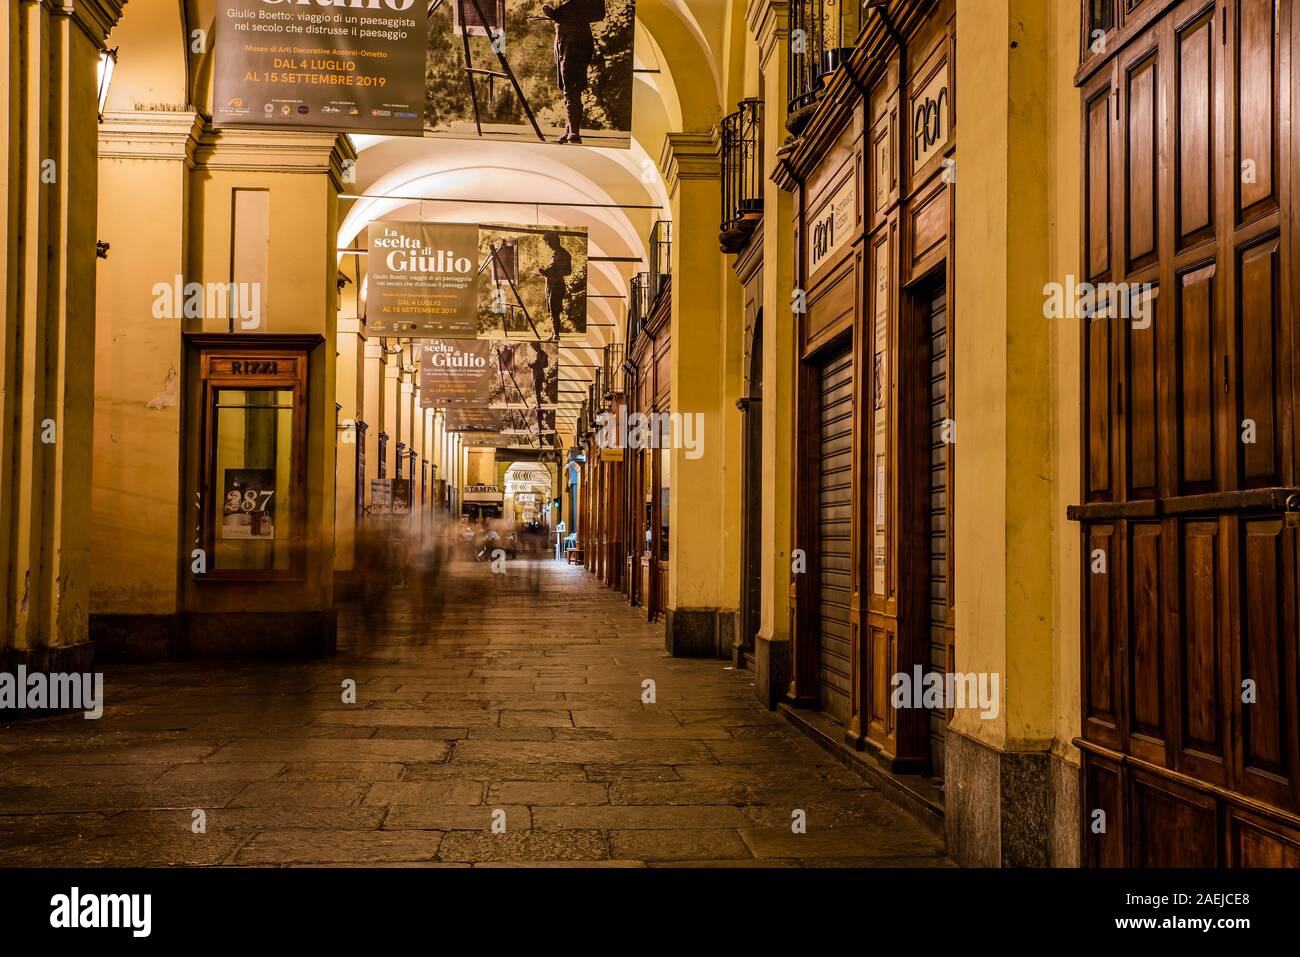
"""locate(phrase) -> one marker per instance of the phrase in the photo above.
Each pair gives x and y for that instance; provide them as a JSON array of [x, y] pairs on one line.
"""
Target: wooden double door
[[1190, 725]]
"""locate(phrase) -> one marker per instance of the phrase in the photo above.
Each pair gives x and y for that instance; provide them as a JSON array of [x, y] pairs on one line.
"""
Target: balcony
[[612, 367], [742, 175], [638, 307], [822, 34], [661, 261]]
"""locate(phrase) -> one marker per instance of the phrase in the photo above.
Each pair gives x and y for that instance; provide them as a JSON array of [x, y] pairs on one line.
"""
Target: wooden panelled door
[[1190, 515]]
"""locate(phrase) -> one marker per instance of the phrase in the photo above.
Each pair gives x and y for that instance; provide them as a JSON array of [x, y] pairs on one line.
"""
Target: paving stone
[[425, 792], [532, 864], [47, 775], [299, 794], [644, 817], [547, 793], [252, 819], [623, 772], [137, 850], [312, 846], [221, 773], [678, 793], [496, 770], [32, 800], [529, 845], [832, 842], [661, 845], [313, 750], [368, 771], [454, 818]]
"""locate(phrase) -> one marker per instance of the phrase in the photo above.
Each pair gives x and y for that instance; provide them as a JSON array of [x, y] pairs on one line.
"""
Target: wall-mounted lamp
[[107, 63]]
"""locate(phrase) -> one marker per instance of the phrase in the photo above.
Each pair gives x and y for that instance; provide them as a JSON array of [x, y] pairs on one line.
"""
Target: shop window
[[647, 489], [1101, 15], [252, 480], [665, 488]]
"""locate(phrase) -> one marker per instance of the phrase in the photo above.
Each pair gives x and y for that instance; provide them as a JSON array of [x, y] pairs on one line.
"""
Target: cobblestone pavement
[[512, 698]]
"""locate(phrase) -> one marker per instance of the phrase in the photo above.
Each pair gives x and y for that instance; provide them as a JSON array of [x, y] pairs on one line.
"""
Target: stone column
[[767, 22], [392, 412], [351, 396], [48, 231], [1012, 780], [373, 406], [145, 161], [700, 618]]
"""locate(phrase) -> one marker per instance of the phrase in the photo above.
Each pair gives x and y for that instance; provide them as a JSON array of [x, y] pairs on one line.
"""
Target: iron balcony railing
[[637, 306], [822, 34], [613, 368], [742, 174], [661, 261], [596, 393]]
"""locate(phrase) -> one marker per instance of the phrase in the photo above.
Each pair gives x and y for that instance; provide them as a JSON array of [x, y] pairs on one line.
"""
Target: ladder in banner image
[[506, 72]]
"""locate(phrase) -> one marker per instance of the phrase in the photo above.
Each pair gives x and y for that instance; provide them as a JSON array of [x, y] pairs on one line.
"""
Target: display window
[[252, 470]]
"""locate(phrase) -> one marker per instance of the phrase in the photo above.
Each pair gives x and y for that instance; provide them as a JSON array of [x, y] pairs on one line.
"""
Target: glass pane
[[252, 501], [665, 486]]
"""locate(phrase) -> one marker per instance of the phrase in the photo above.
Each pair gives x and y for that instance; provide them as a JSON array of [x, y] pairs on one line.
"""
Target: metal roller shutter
[[938, 515], [834, 526]]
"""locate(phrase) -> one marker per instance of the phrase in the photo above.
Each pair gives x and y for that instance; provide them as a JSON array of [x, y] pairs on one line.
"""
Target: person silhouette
[[556, 272], [574, 48]]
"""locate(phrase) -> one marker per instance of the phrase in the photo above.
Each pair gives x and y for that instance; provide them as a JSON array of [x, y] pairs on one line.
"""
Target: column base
[[71, 658], [699, 632], [1009, 808], [140, 638], [771, 670]]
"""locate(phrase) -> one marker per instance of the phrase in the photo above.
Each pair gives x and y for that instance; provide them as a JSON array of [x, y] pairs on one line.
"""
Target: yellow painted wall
[[136, 535], [1016, 382]]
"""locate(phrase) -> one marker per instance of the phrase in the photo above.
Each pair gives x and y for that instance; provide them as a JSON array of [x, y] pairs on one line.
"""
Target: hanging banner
[[420, 279], [534, 282], [524, 375], [455, 372], [530, 422], [503, 428], [308, 66], [474, 420], [500, 374], [458, 280], [530, 70]]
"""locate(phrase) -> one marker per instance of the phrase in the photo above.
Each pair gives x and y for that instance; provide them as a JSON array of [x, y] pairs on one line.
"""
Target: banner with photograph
[[309, 66], [474, 420], [521, 427], [563, 71], [533, 283], [459, 280], [421, 278], [494, 374], [524, 375], [455, 372]]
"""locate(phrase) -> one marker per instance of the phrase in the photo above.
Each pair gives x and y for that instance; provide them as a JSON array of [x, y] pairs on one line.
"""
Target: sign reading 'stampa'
[[321, 64]]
